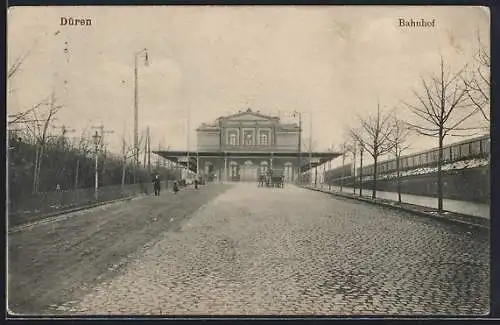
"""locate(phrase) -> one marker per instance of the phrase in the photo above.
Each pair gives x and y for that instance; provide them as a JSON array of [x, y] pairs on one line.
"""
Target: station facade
[[242, 146], [253, 142]]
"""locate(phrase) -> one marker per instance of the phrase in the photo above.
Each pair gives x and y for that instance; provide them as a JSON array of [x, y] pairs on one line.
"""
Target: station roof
[[179, 157]]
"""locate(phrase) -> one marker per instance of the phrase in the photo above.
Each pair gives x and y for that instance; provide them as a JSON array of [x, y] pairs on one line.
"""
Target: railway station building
[[242, 146]]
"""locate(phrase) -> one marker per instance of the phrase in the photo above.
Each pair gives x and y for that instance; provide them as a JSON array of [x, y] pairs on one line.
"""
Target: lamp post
[[299, 114], [143, 52], [96, 138]]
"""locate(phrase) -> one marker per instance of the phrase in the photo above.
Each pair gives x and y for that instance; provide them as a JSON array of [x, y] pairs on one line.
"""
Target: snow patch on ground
[[472, 163]]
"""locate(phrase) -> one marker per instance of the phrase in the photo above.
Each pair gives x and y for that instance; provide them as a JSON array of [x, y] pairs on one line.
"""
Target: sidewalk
[[464, 212]]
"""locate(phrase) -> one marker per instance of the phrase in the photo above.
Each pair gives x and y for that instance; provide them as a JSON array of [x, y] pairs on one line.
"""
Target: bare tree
[[18, 62], [352, 148], [398, 139], [478, 83], [38, 126], [373, 136], [84, 148], [443, 107], [361, 152], [127, 152]]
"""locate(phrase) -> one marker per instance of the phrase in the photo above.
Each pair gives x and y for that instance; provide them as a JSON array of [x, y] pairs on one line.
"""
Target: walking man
[[156, 184]]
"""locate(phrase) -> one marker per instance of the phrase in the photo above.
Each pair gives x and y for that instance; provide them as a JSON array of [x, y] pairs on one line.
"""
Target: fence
[[465, 185]]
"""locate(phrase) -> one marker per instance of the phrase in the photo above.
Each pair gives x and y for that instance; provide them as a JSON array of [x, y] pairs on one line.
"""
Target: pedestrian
[[59, 195], [156, 184], [195, 183], [176, 187]]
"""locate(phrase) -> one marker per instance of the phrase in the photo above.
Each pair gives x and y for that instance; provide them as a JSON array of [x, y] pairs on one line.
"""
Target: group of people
[[157, 185]]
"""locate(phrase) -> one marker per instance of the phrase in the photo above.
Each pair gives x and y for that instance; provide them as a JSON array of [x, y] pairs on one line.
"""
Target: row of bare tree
[[442, 107], [42, 160]]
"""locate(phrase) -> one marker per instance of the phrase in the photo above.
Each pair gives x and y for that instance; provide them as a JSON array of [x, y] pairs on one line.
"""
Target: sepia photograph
[[248, 161]]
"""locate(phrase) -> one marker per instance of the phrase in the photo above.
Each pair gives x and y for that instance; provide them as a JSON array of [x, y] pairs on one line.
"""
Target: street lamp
[[299, 114], [144, 53], [96, 137]]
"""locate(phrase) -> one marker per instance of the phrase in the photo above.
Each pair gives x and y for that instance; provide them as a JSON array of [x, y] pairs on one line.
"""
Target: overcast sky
[[329, 62]]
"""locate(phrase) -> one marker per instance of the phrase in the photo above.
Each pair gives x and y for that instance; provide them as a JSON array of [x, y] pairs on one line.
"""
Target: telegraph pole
[[97, 138], [310, 145], [299, 148], [101, 134], [64, 130], [124, 154], [187, 140], [148, 139], [136, 108], [361, 149]]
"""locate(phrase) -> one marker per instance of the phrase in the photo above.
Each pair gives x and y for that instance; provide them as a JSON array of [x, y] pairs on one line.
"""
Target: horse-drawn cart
[[273, 178]]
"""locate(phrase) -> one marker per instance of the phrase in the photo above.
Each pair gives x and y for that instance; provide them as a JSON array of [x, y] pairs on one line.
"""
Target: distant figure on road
[[195, 183], [156, 185], [176, 187]]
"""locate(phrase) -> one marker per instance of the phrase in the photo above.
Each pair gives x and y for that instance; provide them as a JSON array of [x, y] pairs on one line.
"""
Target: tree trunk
[[398, 155], [123, 175], [354, 172], [329, 177], [76, 173], [40, 160], [35, 170], [343, 173], [439, 172], [361, 174], [374, 190]]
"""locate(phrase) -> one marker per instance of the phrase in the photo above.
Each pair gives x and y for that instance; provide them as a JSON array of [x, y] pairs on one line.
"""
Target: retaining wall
[[470, 184]]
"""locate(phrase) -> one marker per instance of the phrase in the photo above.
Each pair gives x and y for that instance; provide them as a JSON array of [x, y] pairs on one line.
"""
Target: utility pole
[[148, 139], [187, 140], [124, 155], [361, 149], [343, 167], [101, 134], [144, 157], [299, 149], [158, 157], [354, 150], [310, 145], [97, 138], [136, 108], [64, 130]]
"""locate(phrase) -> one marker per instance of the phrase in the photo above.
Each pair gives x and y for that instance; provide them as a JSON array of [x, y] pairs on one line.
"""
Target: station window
[[232, 138], [264, 138]]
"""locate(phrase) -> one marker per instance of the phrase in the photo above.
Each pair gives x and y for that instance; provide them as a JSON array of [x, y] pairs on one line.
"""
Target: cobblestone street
[[291, 251]]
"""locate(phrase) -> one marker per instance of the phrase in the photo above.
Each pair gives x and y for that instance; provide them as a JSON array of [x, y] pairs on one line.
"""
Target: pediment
[[248, 117]]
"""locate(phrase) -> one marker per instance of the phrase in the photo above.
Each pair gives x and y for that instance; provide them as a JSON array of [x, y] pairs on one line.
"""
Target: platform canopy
[[179, 157]]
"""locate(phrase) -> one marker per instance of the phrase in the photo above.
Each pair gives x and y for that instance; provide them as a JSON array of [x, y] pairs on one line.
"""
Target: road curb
[[68, 211], [407, 209]]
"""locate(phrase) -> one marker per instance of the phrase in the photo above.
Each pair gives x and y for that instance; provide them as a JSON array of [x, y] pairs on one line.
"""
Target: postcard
[[248, 161]]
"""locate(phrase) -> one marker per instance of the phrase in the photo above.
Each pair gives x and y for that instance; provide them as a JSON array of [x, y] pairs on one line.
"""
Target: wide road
[[290, 251]]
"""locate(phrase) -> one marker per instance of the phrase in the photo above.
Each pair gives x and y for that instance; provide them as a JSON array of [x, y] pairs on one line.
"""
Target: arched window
[[263, 167], [288, 172]]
